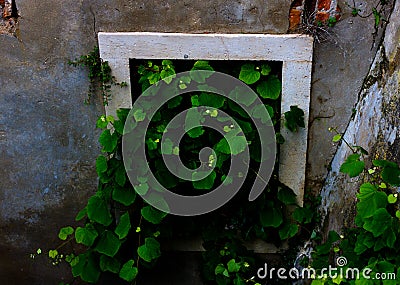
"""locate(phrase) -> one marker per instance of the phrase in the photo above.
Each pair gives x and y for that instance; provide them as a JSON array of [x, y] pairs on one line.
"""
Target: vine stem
[[64, 243], [344, 140], [139, 241]]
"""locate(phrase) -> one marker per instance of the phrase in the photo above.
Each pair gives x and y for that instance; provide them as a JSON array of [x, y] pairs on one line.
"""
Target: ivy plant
[[120, 233], [372, 244]]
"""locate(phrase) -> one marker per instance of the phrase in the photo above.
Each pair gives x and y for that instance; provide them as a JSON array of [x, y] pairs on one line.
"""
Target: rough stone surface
[[375, 127], [341, 62], [265, 16], [48, 141]]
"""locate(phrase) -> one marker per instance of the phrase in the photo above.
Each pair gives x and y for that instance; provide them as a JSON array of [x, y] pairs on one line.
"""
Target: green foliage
[[65, 232], [128, 271], [124, 225], [372, 243], [99, 75], [353, 166], [294, 118], [150, 250], [97, 210], [120, 234], [378, 11]]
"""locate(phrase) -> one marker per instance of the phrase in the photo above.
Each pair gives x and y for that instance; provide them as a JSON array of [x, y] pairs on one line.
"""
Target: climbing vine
[[372, 245], [121, 233], [99, 75]]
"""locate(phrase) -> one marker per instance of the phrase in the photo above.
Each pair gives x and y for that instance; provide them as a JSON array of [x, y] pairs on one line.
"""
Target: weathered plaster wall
[[375, 127], [48, 141], [341, 63]]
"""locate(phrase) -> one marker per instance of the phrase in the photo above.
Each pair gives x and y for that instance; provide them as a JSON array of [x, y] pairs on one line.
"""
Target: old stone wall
[[48, 140], [375, 127]]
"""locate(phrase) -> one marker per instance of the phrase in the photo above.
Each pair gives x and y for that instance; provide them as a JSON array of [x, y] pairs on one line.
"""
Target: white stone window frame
[[293, 50]]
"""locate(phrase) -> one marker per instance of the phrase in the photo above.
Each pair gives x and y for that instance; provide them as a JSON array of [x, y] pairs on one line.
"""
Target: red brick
[[294, 18], [324, 5], [321, 17]]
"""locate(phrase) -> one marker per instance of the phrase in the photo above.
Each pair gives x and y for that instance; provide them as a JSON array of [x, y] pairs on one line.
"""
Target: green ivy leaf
[[303, 215], [124, 225], [211, 100], [258, 112], [184, 82], [153, 215], [205, 183], [71, 259], [265, 69], [108, 244], [241, 95], [390, 236], [65, 232], [288, 231], [124, 196], [97, 210], [237, 145], [175, 102], [167, 146], [219, 269], [194, 118], [379, 222], [195, 132], [202, 65], [233, 266], [287, 196], [384, 163], [139, 115], [86, 268], [101, 164], [122, 114], [248, 74], [364, 241], [271, 88], [167, 75], [200, 77], [392, 199], [109, 264], [128, 271], [120, 175], [142, 188], [294, 118], [150, 250], [101, 122], [370, 200], [53, 253], [108, 141], [86, 235], [353, 166], [153, 77], [239, 281], [271, 216], [391, 175], [336, 138], [82, 213], [166, 179]]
